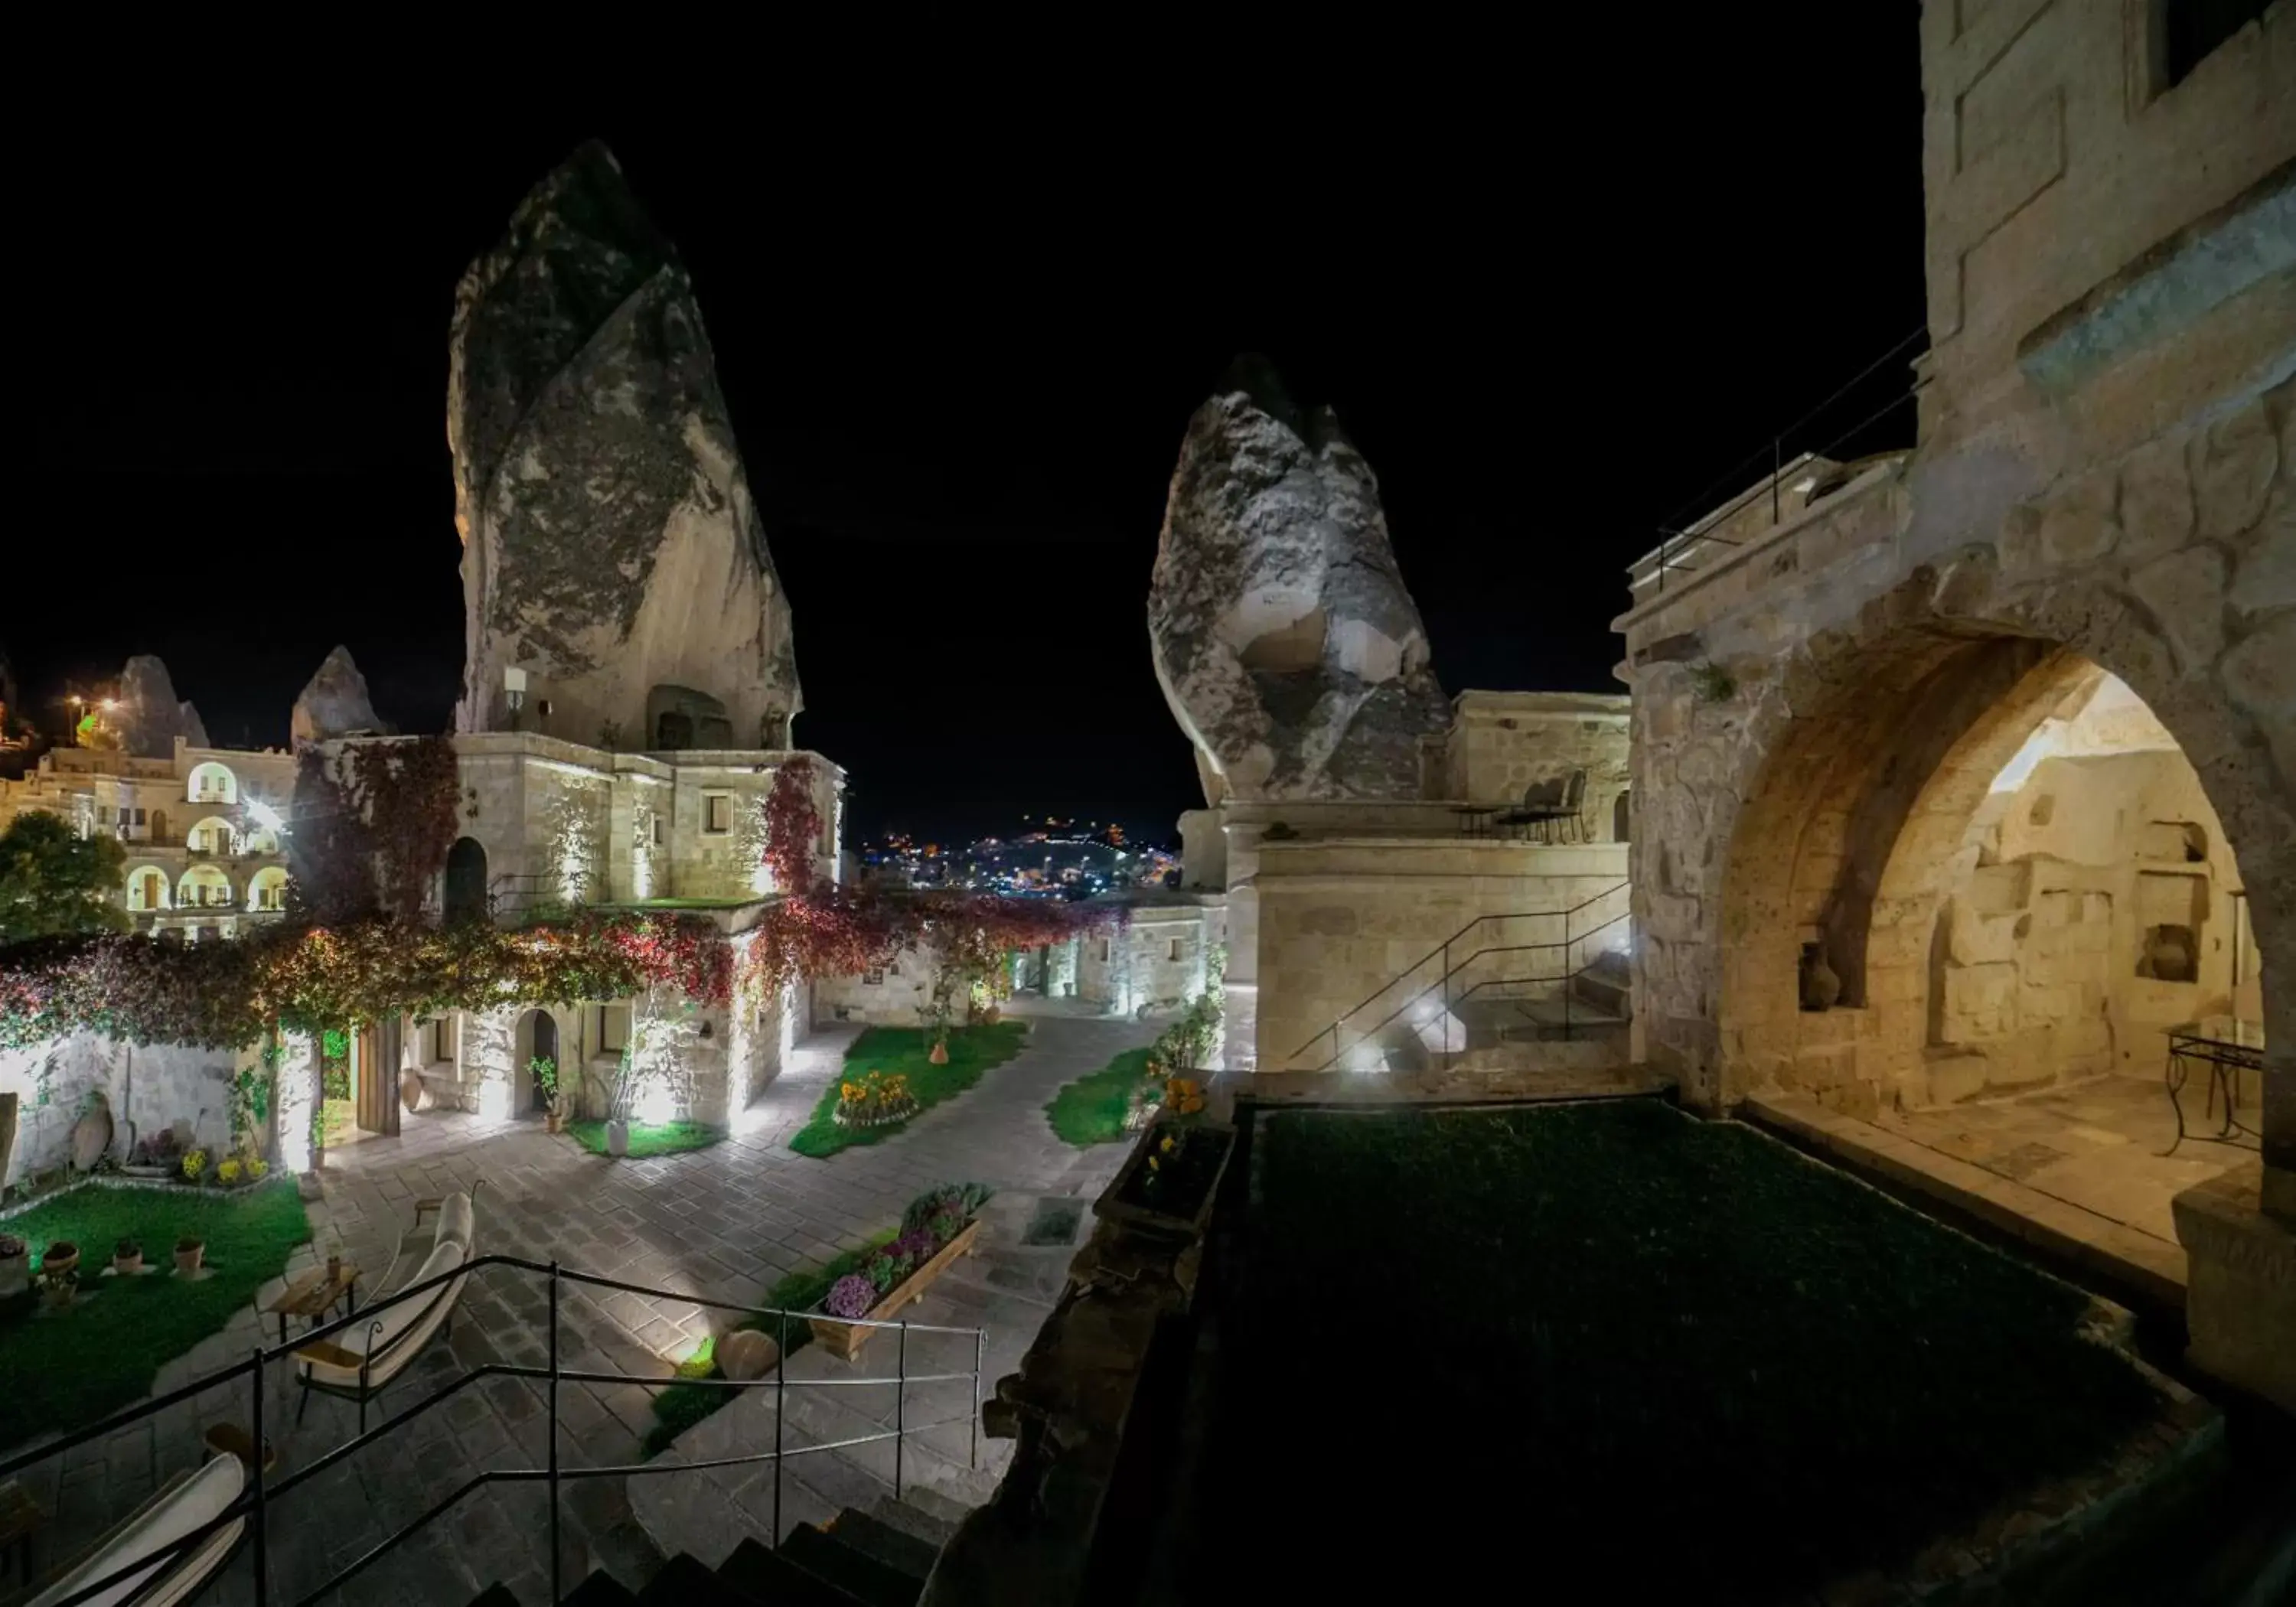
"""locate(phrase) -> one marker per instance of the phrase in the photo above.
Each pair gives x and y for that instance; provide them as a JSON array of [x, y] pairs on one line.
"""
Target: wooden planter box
[[846, 1339], [1121, 1202]]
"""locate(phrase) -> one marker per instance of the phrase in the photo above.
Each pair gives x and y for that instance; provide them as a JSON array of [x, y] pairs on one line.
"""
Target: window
[[442, 1038], [716, 813], [1172, 948], [2192, 29], [1104, 951], [656, 828], [613, 1029], [873, 979], [139, 817]]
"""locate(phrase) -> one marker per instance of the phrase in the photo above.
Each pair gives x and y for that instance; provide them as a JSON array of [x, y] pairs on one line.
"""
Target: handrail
[[1506, 948], [252, 1504], [1443, 948]]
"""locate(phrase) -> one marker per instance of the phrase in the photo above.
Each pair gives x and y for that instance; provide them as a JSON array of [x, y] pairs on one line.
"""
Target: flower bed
[[878, 1099], [905, 1053], [938, 1227], [1170, 1180]]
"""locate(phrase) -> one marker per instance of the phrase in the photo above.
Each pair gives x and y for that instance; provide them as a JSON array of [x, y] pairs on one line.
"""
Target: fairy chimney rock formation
[[613, 555], [149, 717], [1282, 636], [335, 704]]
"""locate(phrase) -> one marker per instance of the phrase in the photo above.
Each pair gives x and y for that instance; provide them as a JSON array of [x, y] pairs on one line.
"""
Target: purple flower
[[850, 1296]]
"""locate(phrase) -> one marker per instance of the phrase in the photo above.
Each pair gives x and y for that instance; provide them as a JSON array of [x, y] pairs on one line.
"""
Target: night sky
[[960, 339]]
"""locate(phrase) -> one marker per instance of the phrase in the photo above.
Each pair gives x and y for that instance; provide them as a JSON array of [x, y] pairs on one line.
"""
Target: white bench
[[370, 1355], [179, 1506]]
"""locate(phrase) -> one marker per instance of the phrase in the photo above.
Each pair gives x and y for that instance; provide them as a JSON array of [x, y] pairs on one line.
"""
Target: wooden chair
[[174, 1509], [371, 1356]]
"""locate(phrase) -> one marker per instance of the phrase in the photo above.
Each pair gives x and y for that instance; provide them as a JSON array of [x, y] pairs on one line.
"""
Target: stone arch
[[204, 887], [267, 888], [1622, 817], [212, 834], [149, 887], [464, 896], [212, 783], [1865, 761], [539, 1034]]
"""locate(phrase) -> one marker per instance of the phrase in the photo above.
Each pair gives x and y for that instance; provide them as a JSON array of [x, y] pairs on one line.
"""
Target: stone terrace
[[725, 1222]]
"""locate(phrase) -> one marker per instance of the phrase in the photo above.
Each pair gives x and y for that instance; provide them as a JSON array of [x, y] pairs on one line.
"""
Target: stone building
[[548, 826], [201, 828], [1838, 687]]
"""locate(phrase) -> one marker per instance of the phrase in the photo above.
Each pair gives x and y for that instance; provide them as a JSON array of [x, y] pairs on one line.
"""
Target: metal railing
[[1449, 970], [253, 1506], [1680, 544]]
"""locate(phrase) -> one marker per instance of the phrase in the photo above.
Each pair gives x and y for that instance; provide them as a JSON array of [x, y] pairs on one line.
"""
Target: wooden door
[[375, 1077]]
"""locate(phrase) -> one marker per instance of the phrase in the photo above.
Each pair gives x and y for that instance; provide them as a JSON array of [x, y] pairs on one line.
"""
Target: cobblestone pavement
[[723, 1223]]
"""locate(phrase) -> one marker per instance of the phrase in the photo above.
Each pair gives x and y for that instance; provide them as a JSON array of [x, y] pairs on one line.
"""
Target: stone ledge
[[1517, 1085], [2242, 1312], [2133, 1260]]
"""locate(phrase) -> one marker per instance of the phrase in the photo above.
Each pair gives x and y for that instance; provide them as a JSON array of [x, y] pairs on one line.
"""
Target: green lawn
[[1091, 1110], [73, 1369], [1608, 1331], [660, 1138], [903, 1051], [679, 1407]]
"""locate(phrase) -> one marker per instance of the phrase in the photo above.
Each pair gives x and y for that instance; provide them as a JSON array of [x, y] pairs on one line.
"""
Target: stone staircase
[[1578, 1024], [873, 1556]]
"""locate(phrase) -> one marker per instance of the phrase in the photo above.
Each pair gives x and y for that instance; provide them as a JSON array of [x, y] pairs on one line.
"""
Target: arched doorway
[[466, 894], [1622, 817], [536, 1039]]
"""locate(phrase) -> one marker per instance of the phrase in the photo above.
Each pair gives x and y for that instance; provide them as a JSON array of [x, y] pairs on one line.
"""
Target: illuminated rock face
[[150, 717], [1283, 638], [610, 542], [335, 704]]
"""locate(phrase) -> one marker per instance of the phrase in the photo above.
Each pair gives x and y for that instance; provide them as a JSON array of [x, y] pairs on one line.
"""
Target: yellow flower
[[1153, 1163], [1167, 1146]]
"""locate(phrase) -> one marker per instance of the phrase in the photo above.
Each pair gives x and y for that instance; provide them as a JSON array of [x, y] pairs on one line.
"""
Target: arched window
[[147, 888], [213, 835], [466, 880], [267, 888], [204, 887], [1622, 818]]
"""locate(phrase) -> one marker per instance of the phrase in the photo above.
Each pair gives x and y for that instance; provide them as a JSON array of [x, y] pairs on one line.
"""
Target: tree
[[55, 882]]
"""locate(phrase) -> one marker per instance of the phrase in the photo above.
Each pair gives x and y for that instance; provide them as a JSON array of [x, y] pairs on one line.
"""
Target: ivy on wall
[[373, 825]]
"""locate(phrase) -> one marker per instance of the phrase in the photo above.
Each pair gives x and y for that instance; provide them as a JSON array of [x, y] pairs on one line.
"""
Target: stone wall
[[1341, 918], [895, 996], [1155, 963], [1502, 742], [147, 1088]]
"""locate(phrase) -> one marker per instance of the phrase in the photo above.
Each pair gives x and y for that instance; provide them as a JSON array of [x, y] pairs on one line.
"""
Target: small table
[[2227, 1046], [229, 1440], [313, 1294], [21, 1518]]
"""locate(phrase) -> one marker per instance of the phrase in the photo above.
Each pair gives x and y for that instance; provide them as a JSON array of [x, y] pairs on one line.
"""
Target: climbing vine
[[792, 824], [373, 823]]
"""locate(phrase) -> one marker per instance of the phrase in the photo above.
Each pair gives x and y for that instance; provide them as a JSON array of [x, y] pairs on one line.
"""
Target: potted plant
[[128, 1258], [194, 1164], [189, 1253], [15, 1266], [545, 1073], [60, 1271], [938, 1226], [1168, 1182]]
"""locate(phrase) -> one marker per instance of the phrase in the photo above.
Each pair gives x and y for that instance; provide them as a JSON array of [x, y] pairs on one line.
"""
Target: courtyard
[[725, 1223]]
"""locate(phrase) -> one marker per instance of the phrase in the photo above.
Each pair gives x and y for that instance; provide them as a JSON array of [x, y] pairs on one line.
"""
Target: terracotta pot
[[940, 1055], [189, 1256], [61, 1262], [127, 1263], [553, 1122]]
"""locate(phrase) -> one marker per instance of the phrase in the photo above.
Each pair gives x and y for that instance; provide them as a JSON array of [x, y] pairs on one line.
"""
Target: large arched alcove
[[1878, 758]]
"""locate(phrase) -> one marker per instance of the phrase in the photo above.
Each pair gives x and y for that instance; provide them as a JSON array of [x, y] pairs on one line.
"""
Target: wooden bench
[[363, 1358]]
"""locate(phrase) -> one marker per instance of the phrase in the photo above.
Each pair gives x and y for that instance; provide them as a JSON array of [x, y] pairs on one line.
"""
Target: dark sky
[[960, 337]]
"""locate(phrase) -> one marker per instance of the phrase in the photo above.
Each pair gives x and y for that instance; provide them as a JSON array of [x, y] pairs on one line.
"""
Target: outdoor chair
[[1545, 802], [174, 1509], [373, 1354]]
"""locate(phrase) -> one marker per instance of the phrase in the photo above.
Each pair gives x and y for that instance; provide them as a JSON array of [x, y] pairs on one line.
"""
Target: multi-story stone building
[[201, 829]]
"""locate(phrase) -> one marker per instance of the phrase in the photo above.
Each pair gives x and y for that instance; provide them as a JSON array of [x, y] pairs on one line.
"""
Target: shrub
[[228, 1172], [195, 1162]]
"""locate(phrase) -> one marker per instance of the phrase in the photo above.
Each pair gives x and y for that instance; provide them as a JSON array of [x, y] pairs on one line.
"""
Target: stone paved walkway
[[723, 1223]]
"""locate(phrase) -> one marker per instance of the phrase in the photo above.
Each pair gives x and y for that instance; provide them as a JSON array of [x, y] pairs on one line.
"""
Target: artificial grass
[[72, 1369], [1091, 1109], [1607, 1331], [679, 1407], [903, 1051], [657, 1138]]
